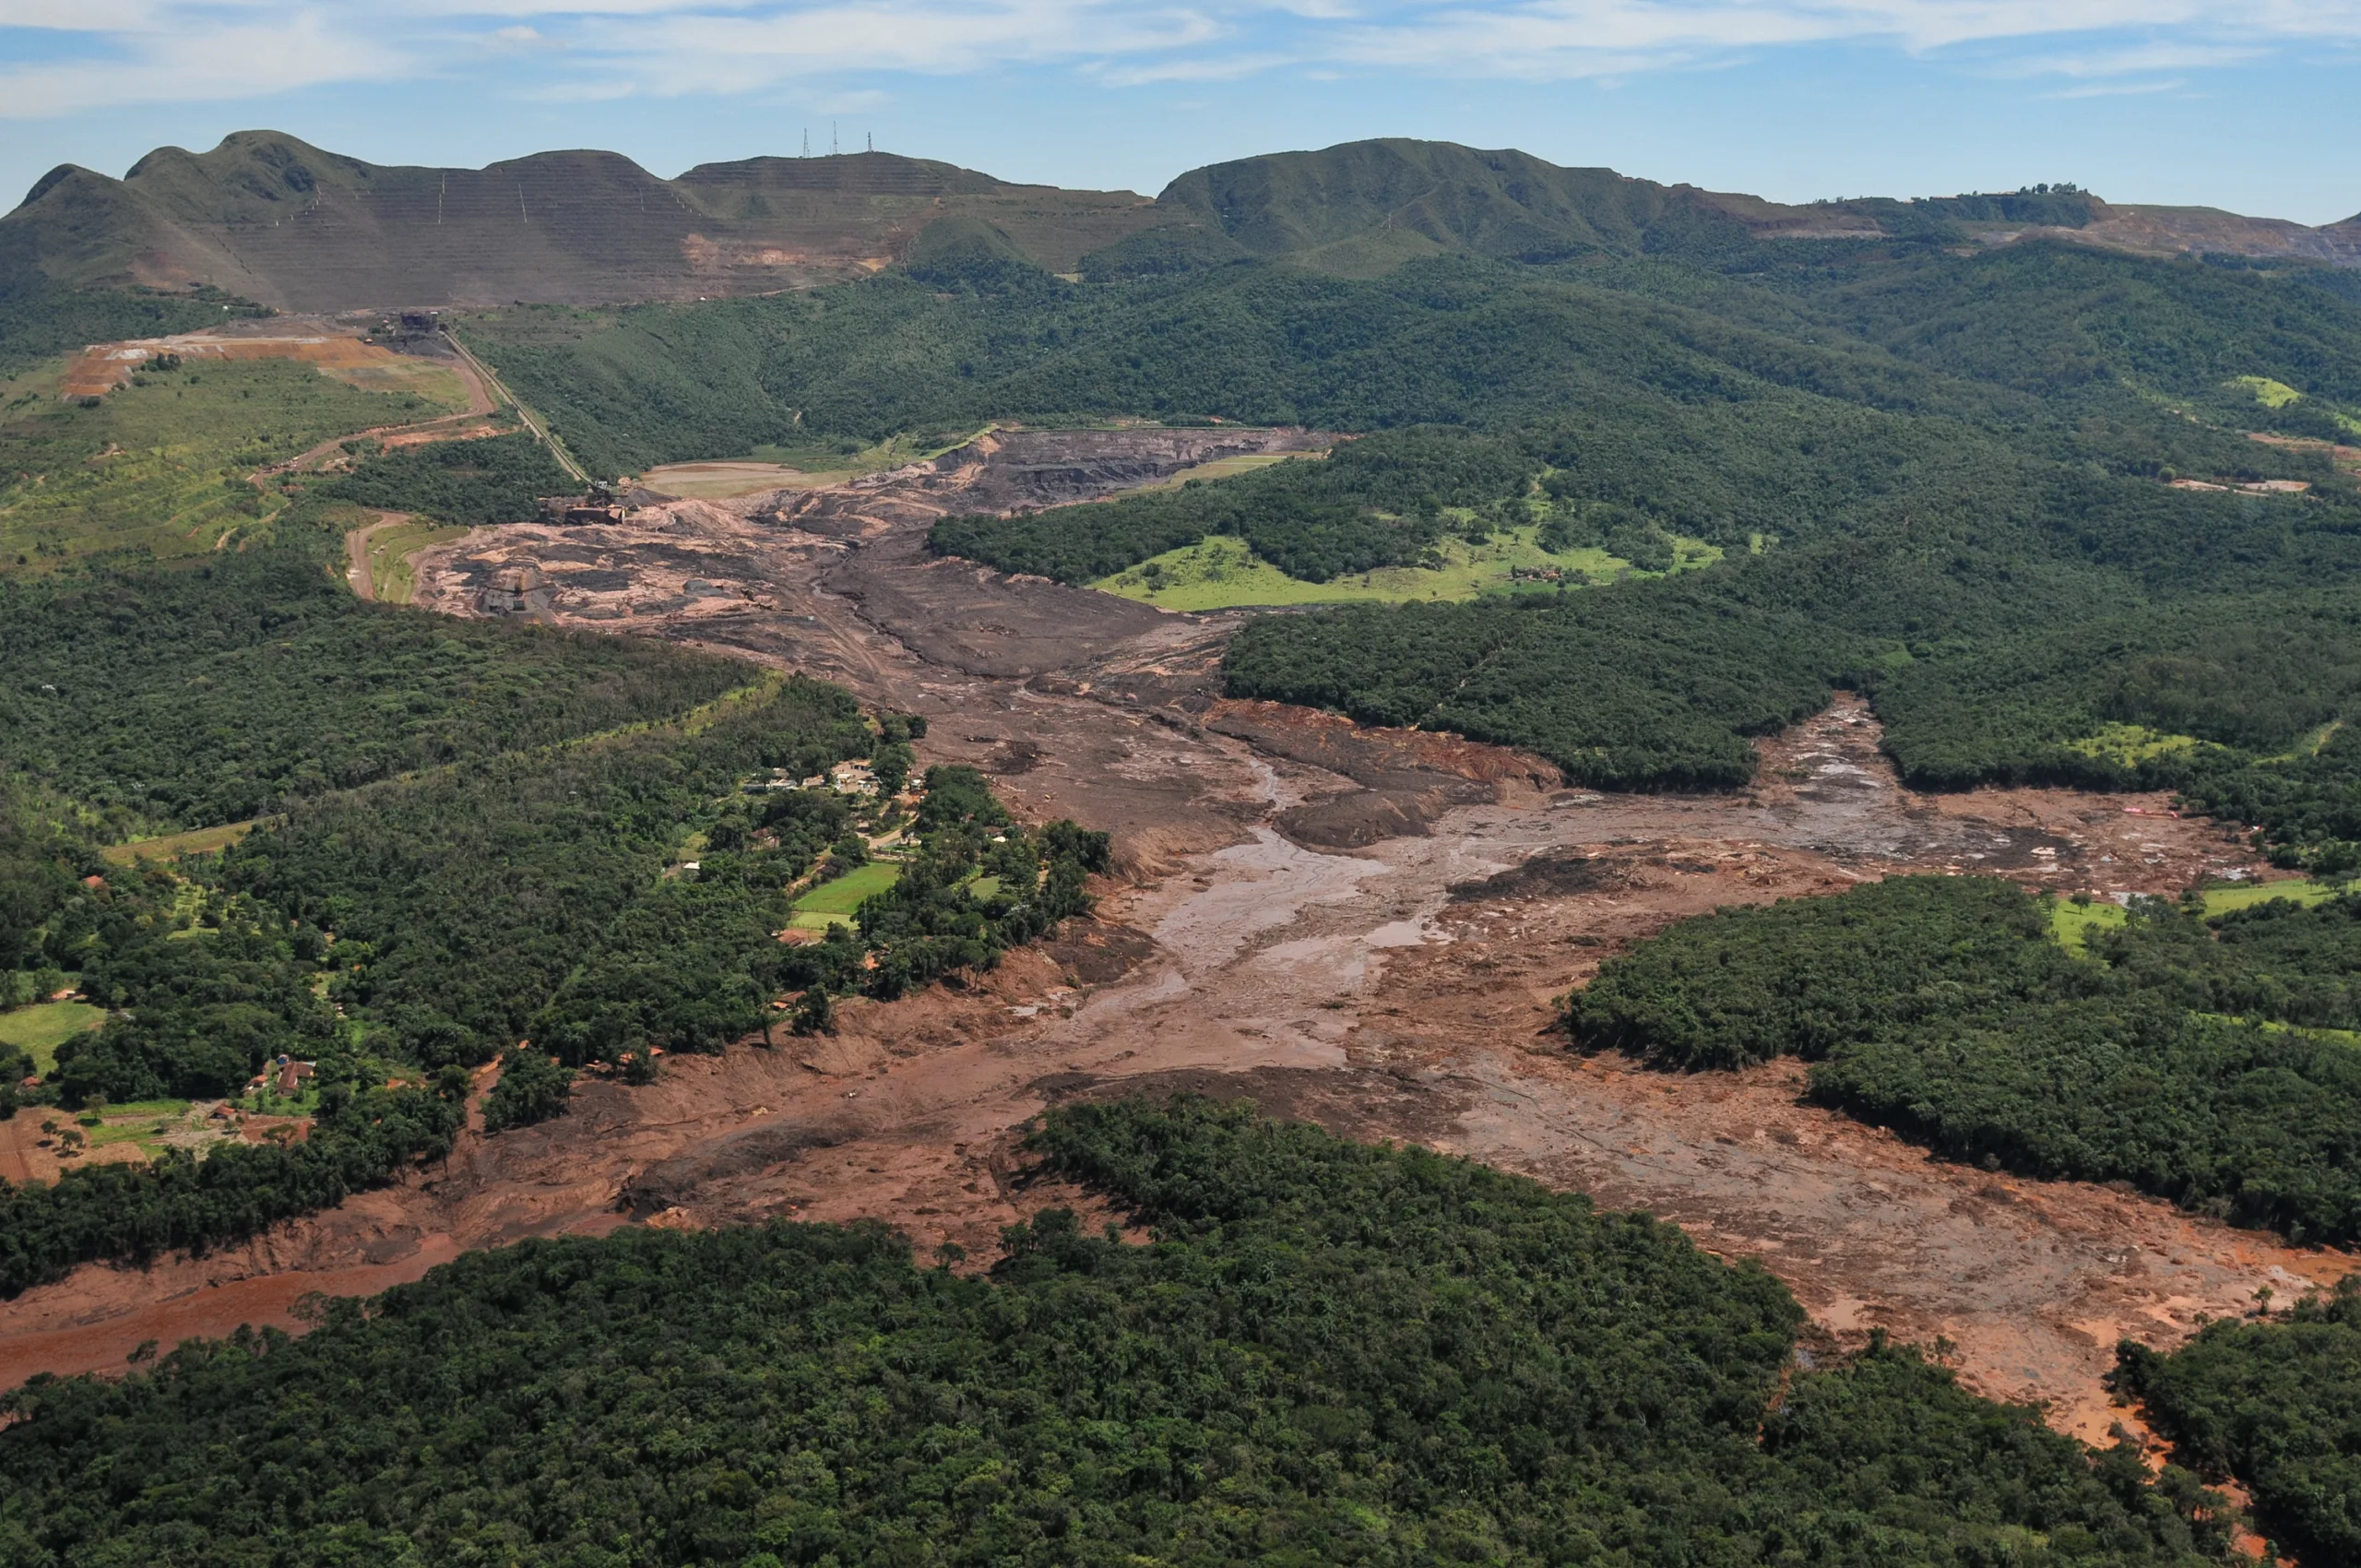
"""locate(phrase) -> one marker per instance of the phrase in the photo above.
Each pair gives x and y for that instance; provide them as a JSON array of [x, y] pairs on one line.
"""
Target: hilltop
[[266, 216], [276, 220]]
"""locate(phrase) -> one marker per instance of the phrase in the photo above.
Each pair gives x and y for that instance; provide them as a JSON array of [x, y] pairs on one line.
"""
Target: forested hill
[[1329, 1354]]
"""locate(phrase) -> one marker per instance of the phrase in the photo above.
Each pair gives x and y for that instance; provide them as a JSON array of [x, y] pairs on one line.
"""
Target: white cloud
[[163, 50], [216, 65]]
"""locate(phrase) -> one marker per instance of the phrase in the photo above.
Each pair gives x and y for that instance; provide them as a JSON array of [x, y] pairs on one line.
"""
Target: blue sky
[[2249, 104]]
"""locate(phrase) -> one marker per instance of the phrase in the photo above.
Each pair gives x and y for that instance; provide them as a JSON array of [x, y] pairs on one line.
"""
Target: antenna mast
[[807, 141], [833, 148]]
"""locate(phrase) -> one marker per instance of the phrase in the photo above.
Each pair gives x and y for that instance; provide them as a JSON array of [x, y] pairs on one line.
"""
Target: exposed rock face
[[516, 590]]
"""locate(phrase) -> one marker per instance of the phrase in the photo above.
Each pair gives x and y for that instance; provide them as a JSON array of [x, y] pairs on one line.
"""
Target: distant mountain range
[[272, 219]]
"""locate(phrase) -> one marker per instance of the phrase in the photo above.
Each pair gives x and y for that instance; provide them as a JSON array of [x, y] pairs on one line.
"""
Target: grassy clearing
[[200, 841], [1222, 572], [2246, 894], [2269, 393], [393, 558], [835, 901], [160, 467], [2072, 923], [2132, 745], [42, 1027]]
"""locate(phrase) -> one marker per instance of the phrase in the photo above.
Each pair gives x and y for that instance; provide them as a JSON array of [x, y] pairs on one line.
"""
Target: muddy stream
[[1363, 928]]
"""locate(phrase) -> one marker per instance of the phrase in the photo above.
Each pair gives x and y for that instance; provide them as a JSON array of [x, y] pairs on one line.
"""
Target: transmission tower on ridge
[[807, 141], [833, 148]]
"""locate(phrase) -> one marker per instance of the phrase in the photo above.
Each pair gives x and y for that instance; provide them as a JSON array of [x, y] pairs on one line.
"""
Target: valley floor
[[1363, 928]]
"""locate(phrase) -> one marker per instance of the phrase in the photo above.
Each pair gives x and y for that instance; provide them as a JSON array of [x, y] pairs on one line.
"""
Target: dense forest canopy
[[165, 700], [1329, 1353], [2277, 1405]]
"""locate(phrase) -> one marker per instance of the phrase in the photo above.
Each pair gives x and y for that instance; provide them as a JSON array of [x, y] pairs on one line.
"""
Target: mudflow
[[1365, 928]]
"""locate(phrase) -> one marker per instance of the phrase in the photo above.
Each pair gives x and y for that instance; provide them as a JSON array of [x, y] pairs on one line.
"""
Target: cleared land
[[172, 847], [45, 1026], [104, 367], [1222, 572], [2074, 923], [159, 466], [720, 481]]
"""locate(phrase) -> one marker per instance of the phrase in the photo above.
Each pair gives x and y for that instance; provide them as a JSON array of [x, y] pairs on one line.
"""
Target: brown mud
[[1365, 928]]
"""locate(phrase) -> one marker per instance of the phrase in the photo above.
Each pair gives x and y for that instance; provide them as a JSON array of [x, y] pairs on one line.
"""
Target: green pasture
[[1222, 572], [2246, 894], [160, 466], [42, 1027], [833, 902]]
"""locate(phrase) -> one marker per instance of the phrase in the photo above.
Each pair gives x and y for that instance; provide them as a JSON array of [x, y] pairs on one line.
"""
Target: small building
[[292, 1077], [853, 778]]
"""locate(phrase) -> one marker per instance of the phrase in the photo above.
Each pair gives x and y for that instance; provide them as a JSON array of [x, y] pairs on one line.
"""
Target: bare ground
[[1364, 928]]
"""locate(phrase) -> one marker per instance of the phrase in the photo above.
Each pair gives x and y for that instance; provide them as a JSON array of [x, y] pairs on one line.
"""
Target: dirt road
[[1366, 928]]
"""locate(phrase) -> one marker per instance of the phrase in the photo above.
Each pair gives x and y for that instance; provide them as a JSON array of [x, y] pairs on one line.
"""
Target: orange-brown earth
[[1366, 928]]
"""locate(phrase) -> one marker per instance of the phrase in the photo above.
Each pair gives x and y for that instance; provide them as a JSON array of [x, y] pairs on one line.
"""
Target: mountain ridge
[[274, 218]]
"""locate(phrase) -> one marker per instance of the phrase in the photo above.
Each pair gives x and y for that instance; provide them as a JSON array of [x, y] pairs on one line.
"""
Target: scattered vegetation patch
[[2075, 921], [390, 555], [2129, 746], [159, 468], [1222, 572]]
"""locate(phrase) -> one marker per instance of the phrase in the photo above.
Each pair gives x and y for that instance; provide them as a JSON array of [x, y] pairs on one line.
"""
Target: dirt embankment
[[1366, 928]]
